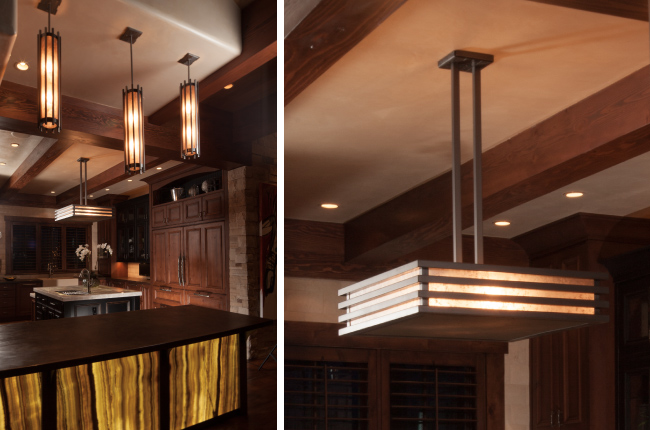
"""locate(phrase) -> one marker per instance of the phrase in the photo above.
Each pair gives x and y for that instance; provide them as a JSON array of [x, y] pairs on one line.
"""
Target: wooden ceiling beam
[[91, 124], [104, 179], [633, 9], [259, 46], [330, 30], [295, 11], [596, 133], [42, 156]]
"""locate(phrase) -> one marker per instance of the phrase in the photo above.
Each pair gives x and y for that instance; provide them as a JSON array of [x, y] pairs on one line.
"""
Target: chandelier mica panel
[[473, 302]]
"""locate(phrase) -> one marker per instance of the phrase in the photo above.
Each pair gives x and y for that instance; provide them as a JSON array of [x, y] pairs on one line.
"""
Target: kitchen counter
[[99, 292], [133, 279], [172, 368]]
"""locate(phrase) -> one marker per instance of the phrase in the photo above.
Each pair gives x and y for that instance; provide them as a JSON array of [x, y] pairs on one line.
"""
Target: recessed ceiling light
[[3, 163], [129, 180], [52, 192], [158, 168], [21, 65], [227, 87], [329, 205], [91, 195], [502, 223], [15, 145], [107, 189], [573, 194]]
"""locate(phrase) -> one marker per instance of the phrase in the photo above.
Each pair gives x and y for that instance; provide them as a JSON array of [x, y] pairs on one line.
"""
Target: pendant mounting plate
[[464, 60], [130, 33]]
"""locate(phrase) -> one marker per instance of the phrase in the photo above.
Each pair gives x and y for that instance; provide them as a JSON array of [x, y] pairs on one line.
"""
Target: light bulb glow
[[49, 81], [573, 194], [502, 223], [329, 205]]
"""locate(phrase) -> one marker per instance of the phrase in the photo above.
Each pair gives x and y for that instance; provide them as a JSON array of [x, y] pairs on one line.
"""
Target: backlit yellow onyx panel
[[204, 381], [122, 393], [126, 392], [21, 402]]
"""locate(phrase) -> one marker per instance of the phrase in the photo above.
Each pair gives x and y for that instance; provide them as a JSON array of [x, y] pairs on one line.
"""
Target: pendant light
[[470, 301], [82, 212], [190, 133], [133, 116], [49, 75]]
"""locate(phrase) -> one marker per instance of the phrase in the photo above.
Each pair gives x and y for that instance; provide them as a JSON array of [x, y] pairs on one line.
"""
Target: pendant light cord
[[49, 11], [189, 81], [131, 46]]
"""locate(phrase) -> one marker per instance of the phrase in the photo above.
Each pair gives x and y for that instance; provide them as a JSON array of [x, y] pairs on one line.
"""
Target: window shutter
[[74, 236], [51, 248], [24, 248]]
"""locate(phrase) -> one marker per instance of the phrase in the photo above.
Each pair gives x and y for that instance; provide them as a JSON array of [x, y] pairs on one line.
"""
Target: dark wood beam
[[259, 45], [105, 179], [331, 29], [633, 9], [42, 156], [295, 11], [30, 200], [598, 132], [91, 124], [316, 250]]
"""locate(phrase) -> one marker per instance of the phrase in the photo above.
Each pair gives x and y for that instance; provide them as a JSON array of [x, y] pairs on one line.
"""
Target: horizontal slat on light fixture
[[83, 213], [428, 299]]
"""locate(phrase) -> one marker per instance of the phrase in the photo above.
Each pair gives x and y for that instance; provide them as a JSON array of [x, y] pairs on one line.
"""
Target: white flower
[[82, 252], [106, 247]]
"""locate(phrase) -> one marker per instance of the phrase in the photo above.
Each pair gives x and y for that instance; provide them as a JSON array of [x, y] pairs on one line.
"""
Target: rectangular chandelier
[[433, 299], [83, 213]]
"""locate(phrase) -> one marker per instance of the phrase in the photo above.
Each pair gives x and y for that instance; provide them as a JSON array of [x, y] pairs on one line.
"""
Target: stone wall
[[243, 207]]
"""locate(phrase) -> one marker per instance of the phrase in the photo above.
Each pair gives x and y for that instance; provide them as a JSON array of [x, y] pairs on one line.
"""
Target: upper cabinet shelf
[[193, 186]]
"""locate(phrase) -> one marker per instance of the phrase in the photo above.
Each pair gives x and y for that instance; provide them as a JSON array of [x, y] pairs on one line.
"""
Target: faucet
[[85, 274], [50, 267]]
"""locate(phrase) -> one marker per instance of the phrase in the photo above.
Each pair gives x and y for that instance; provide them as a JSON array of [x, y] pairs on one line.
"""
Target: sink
[[60, 282], [72, 292]]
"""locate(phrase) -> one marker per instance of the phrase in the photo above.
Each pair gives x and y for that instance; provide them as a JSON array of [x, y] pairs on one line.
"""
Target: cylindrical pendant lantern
[[49, 81], [190, 132], [190, 119], [133, 130], [133, 116]]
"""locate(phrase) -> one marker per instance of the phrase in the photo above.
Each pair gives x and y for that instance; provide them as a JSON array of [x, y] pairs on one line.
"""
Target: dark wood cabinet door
[[174, 213], [23, 300], [206, 299], [192, 210], [214, 257], [559, 379], [213, 206], [192, 259], [158, 216], [174, 250], [159, 256]]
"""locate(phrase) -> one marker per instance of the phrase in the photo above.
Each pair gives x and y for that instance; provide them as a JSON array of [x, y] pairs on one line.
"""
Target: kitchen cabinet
[[15, 302], [133, 230], [559, 375], [50, 308]]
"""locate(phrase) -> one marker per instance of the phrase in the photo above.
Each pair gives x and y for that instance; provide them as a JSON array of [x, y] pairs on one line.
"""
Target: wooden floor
[[262, 401]]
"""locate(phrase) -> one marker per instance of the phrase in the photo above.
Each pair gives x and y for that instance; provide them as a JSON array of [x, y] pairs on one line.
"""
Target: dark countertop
[[31, 347]]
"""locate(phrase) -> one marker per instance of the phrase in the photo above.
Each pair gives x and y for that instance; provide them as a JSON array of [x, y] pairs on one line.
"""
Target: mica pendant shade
[[190, 132], [132, 99], [133, 130], [49, 81]]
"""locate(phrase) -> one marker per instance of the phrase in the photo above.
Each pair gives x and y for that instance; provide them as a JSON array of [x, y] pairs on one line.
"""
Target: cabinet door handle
[[552, 425], [178, 270], [559, 420], [183, 269], [202, 294], [169, 290]]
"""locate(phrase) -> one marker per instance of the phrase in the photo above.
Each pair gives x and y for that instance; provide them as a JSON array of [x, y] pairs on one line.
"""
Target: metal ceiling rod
[[83, 184], [473, 62]]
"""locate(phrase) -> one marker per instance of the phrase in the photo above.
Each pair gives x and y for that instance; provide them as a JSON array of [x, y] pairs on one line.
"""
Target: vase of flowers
[[104, 250], [83, 251]]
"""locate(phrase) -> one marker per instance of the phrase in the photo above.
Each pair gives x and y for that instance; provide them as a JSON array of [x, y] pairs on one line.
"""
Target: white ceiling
[[378, 122], [14, 157], [96, 64]]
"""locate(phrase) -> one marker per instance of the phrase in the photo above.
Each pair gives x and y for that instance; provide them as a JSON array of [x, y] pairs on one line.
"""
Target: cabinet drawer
[[7, 302], [206, 299], [7, 312], [167, 293], [5, 287], [8, 293]]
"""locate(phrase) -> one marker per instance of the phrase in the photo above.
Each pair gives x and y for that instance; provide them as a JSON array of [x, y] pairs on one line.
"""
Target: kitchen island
[[168, 368], [66, 302]]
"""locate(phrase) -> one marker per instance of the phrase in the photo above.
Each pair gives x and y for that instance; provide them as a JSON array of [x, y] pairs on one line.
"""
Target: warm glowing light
[[329, 205], [91, 196], [502, 223], [129, 180], [3, 163], [107, 189], [427, 290], [158, 168], [49, 81], [574, 194], [229, 86], [52, 192], [22, 66], [133, 130], [15, 145], [190, 138]]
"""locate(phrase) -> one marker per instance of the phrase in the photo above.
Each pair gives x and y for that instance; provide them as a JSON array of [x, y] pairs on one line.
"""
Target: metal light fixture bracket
[[130, 35], [188, 59], [51, 6]]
